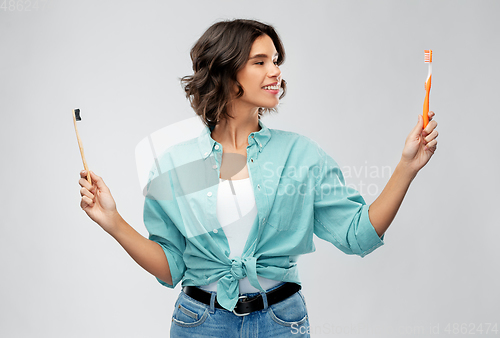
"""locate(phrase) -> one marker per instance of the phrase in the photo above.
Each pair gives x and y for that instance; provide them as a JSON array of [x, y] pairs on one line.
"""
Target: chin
[[270, 106]]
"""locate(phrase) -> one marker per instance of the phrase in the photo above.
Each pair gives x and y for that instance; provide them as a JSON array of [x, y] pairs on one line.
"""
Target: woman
[[229, 212]]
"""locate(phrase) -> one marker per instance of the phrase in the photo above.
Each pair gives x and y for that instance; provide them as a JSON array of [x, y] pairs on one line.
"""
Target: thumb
[[418, 128], [97, 180]]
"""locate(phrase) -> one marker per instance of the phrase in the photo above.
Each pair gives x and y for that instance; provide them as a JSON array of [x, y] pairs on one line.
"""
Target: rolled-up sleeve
[[163, 231], [340, 212]]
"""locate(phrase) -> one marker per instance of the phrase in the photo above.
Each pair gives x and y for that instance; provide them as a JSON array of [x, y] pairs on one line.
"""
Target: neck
[[233, 133]]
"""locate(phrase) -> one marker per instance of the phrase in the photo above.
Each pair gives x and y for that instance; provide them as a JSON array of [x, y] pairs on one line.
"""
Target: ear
[[237, 90]]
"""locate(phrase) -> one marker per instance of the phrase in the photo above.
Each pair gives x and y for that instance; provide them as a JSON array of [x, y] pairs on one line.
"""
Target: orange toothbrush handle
[[425, 114]]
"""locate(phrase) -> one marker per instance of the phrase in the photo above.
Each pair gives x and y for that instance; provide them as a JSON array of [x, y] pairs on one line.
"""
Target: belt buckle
[[240, 314]]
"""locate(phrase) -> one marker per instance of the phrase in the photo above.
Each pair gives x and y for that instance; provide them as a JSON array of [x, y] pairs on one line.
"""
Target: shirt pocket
[[288, 204]]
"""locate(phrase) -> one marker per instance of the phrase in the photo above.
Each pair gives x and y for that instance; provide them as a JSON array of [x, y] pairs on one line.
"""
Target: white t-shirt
[[236, 212]]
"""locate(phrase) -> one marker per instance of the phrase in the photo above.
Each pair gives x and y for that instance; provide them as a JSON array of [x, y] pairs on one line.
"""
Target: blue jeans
[[192, 319]]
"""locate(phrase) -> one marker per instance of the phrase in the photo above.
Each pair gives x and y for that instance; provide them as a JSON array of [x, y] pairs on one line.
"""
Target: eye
[[259, 63]]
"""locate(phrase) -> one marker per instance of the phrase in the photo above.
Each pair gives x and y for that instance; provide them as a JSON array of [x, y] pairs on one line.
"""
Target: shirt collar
[[206, 144]]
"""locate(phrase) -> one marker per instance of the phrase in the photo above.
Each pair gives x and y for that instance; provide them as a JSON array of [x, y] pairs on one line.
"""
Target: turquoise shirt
[[299, 191]]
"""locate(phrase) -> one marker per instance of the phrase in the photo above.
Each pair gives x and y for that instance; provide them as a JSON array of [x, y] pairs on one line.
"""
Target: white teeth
[[275, 87]]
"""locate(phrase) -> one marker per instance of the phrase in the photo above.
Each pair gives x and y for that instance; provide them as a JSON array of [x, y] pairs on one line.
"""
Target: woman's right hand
[[97, 201]]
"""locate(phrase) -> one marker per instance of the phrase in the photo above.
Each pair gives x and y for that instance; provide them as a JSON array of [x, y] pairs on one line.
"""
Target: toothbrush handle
[[425, 114], [81, 150]]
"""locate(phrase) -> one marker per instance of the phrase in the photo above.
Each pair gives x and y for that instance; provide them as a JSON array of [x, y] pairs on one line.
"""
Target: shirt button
[[209, 194], [216, 147], [216, 231], [214, 166], [260, 145], [263, 220], [251, 160], [258, 186], [205, 154], [252, 136]]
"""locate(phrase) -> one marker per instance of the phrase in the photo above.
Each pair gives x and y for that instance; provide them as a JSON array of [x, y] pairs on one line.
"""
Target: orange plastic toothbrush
[[76, 117], [427, 59]]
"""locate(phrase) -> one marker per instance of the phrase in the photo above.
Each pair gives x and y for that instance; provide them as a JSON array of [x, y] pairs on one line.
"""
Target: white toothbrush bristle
[[428, 56]]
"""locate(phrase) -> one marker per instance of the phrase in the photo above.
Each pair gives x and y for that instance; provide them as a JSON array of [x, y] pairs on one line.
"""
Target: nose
[[275, 72]]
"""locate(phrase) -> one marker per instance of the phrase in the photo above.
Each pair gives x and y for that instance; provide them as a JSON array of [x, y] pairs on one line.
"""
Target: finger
[[83, 174], [85, 184], [431, 136], [86, 202], [431, 115], [432, 149], [430, 127], [431, 144], [85, 192]]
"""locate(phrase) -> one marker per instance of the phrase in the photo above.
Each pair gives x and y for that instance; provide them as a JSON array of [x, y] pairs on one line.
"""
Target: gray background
[[356, 77]]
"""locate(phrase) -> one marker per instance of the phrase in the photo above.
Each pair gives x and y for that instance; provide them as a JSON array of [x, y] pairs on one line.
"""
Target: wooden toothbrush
[[76, 117]]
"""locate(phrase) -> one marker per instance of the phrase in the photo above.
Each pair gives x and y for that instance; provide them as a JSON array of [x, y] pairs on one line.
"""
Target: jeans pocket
[[291, 311], [189, 312]]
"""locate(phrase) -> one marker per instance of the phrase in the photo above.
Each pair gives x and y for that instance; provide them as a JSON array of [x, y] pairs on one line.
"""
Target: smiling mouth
[[275, 87]]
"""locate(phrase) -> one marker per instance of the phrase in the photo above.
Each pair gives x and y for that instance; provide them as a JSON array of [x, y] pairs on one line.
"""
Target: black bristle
[[77, 115]]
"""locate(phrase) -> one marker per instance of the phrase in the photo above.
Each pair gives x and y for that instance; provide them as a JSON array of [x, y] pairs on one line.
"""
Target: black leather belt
[[246, 305]]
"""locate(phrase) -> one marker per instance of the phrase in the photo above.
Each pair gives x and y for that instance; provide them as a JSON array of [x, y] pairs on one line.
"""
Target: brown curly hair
[[217, 56]]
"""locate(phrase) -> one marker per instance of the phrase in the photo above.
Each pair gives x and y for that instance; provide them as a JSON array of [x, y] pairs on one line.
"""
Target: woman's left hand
[[421, 144]]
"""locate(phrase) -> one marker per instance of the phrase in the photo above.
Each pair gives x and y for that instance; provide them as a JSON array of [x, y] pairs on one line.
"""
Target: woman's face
[[260, 72]]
